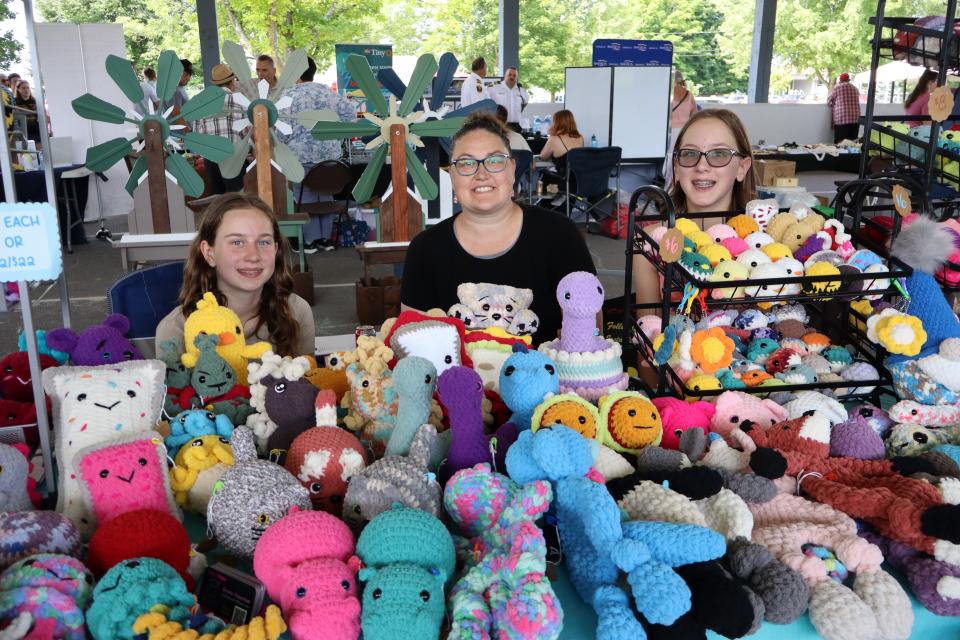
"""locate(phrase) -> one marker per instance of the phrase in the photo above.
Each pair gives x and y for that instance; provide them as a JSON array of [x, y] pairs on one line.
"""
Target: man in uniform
[[473, 89], [511, 96]]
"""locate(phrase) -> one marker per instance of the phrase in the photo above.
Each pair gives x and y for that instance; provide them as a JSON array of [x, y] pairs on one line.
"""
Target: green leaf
[[325, 130], [236, 59], [121, 71], [208, 102], [139, 168], [422, 75], [360, 71], [91, 107], [364, 187], [213, 148], [188, 179], [230, 168], [425, 184], [169, 71], [288, 161], [309, 117], [103, 156], [292, 70], [437, 128]]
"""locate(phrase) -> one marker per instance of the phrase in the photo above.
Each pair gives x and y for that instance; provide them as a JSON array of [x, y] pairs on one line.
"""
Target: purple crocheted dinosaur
[[580, 295]]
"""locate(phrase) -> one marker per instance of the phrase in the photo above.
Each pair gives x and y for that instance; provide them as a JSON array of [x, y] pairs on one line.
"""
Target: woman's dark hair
[[921, 88], [199, 277], [481, 121], [743, 192]]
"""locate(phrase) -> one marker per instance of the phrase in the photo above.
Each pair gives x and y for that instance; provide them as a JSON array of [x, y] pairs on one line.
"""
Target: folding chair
[[588, 180], [146, 296], [328, 178], [524, 159]]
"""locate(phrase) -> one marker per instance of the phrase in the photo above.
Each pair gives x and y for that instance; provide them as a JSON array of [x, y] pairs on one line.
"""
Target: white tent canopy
[[891, 72]]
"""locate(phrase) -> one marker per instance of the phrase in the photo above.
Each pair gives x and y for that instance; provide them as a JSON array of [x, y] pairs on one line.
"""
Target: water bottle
[[537, 122], [547, 123], [593, 141]]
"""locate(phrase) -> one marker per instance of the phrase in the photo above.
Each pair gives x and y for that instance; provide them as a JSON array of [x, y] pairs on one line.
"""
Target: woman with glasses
[[493, 239]]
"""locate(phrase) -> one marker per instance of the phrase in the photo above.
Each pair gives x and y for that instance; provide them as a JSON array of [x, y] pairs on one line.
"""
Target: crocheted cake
[[588, 364]]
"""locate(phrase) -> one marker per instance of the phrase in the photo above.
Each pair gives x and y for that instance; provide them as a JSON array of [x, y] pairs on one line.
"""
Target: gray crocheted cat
[[14, 468], [251, 496], [392, 479]]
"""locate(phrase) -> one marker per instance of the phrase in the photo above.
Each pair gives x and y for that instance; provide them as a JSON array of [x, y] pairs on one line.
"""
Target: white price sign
[[29, 242]]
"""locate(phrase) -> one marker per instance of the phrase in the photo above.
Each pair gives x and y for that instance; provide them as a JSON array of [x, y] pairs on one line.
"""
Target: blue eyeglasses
[[494, 163]]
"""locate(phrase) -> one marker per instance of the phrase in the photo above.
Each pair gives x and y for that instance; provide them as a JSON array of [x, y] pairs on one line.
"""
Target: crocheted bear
[[484, 305], [100, 344]]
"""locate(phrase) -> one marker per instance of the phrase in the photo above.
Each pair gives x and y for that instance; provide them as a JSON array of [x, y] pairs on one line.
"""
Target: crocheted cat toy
[[505, 592], [588, 364], [414, 380], [403, 479], [53, 590], [306, 561], [911, 511], [100, 344], [14, 473], [131, 589], [598, 546], [213, 319], [197, 468], [439, 340], [484, 305], [194, 424], [251, 496], [461, 392], [876, 606], [213, 384], [408, 557], [285, 401], [527, 377]]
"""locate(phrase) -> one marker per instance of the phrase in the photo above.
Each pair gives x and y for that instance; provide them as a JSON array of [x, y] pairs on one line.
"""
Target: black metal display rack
[[651, 205], [937, 169]]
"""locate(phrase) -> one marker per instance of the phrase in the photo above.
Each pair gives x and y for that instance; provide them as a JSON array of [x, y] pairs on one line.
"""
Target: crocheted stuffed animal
[[598, 546], [912, 439], [373, 405], [156, 626], [42, 347], [414, 380], [13, 413], [408, 557], [24, 533], [14, 472], [677, 416], [197, 468], [525, 380], [177, 375], [143, 533], [53, 589], [213, 319], [403, 479], [439, 340], [484, 305], [100, 344], [324, 459], [306, 562], [629, 422], [489, 349], [910, 412], [16, 383], [129, 590], [736, 408], [194, 424], [251, 496], [505, 592], [284, 399], [213, 384]]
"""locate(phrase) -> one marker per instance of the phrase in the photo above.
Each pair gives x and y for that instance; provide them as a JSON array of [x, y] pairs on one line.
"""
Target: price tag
[[29, 242], [941, 104], [901, 201], [671, 245]]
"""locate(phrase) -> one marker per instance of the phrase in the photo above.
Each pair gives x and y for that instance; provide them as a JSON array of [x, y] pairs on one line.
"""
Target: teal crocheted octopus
[[505, 592], [599, 548]]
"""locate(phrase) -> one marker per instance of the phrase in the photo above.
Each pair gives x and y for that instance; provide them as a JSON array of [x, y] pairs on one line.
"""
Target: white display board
[[628, 107], [72, 63]]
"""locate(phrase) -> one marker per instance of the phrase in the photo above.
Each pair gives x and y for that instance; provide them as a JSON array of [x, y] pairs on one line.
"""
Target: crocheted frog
[[484, 305]]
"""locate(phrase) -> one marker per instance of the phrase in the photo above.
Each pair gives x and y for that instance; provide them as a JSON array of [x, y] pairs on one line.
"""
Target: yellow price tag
[[941, 104]]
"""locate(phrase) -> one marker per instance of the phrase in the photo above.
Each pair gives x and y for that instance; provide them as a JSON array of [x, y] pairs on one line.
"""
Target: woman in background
[[563, 137], [919, 99]]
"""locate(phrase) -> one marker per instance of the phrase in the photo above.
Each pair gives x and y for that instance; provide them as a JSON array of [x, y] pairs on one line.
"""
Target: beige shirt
[[171, 327]]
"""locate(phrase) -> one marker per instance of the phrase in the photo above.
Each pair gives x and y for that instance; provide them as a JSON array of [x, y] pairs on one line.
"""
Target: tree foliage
[[9, 47]]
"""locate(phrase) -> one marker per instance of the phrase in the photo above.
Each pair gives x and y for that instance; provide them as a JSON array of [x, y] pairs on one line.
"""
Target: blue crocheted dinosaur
[[525, 379], [414, 379], [598, 546]]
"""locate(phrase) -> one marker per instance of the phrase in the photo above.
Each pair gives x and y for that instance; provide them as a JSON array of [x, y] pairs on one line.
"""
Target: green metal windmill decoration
[[157, 134], [266, 114], [395, 129]]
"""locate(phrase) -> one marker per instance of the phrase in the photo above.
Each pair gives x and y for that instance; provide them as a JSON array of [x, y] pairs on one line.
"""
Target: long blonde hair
[[199, 276], [743, 192]]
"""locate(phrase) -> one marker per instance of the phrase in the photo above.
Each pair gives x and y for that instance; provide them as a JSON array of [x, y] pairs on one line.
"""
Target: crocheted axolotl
[[598, 546], [911, 511]]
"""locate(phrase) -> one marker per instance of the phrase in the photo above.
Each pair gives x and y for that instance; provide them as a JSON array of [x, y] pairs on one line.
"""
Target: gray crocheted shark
[[14, 468]]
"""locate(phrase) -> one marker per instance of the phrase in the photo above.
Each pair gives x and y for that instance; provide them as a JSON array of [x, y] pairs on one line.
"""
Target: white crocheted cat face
[[484, 305]]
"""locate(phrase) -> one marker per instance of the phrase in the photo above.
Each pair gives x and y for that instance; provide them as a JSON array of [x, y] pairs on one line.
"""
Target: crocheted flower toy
[[897, 332], [53, 590], [197, 468], [306, 562], [598, 546], [213, 319], [324, 459], [100, 344], [25, 533], [711, 349], [403, 479], [587, 363], [408, 557], [505, 592], [131, 589], [196, 423], [525, 380], [485, 306]]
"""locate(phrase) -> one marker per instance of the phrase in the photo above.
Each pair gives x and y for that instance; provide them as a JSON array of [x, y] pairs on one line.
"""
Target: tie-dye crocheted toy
[[505, 592], [598, 546], [53, 589]]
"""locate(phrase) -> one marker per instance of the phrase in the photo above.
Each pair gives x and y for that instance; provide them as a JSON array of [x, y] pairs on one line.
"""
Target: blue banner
[[380, 56], [632, 53]]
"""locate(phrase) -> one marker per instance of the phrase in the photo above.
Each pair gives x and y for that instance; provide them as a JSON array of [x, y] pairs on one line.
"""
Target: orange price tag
[[671, 245], [901, 200], [941, 104]]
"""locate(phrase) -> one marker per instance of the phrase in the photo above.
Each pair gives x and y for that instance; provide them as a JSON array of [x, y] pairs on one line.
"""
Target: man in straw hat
[[221, 124]]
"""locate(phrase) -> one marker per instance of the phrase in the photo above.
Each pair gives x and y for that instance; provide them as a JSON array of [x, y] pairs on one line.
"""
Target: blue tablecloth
[[32, 187]]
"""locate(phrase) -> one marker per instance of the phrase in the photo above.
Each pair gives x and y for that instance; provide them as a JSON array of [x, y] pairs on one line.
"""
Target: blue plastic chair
[[146, 296]]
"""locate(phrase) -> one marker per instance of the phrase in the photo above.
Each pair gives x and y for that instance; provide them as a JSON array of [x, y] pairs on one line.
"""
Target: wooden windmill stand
[[401, 218]]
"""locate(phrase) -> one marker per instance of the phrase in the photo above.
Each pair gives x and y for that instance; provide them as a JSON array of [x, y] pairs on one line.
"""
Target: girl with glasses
[[493, 239]]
